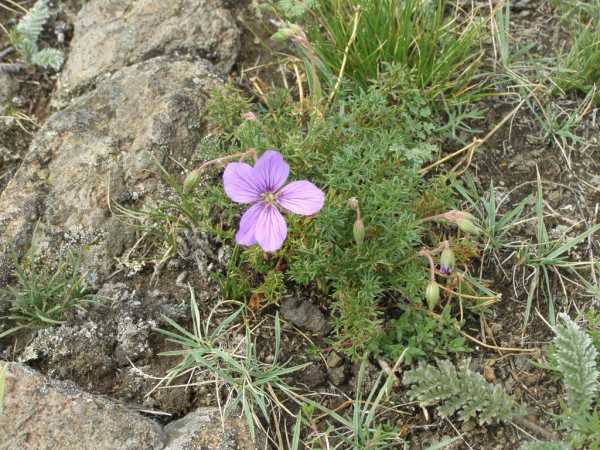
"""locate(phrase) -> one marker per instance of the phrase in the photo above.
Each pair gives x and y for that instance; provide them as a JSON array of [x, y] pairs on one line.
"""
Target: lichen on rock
[[105, 143]]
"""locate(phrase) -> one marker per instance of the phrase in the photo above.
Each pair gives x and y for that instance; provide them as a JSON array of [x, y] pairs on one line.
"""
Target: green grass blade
[[225, 323], [530, 295], [560, 251], [12, 330], [551, 309], [296, 432], [179, 328]]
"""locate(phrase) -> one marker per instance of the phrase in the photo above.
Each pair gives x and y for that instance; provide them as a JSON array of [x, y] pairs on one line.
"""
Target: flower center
[[269, 198]]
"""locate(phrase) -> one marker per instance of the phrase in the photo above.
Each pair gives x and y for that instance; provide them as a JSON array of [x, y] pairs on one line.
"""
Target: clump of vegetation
[[361, 430], [367, 150], [579, 67], [436, 46], [24, 38], [540, 257], [214, 352], [460, 390], [418, 335], [42, 296], [208, 354]]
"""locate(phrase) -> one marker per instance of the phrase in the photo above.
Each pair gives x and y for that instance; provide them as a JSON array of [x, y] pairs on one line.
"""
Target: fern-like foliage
[[294, 9], [48, 57], [576, 359], [25, 35], [545, 446], [461, 390], [32, 24]]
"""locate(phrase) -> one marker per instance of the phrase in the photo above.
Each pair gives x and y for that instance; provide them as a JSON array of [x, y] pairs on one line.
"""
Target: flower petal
[[271, 229], [239, 181], [301, 197], [245, 235], [271, 171]]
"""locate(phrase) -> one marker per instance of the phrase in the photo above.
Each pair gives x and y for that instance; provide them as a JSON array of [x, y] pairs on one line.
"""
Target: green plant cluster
[[419, 336], [42, 296], [367, 148], [460, 390], [579, 66], [247, 381], [364, 133], [437, 46], [24, 38]]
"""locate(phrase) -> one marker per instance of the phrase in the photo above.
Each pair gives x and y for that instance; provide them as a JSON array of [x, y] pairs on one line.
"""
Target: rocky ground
[[127, 98]]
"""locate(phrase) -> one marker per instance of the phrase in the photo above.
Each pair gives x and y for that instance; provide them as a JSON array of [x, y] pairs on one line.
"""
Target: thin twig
[[7, 51], [17, 5], [537, 429], [12, 68]]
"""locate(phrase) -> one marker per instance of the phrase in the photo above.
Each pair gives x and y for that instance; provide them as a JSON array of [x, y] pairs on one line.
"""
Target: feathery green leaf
[[48, 57], [32, 24], [461, 390], [576, 359]]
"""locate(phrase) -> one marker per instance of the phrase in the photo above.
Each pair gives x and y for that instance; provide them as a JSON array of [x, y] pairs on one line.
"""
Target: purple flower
[[445, 270], [263, 187]]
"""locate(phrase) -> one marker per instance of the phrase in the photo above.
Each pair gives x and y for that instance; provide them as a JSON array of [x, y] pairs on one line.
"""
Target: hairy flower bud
[[432, 294], [468, 226], [447, 261], [286, 31], [249, 116], [353, 203], [464, 220], [191, 181], [282, 35], [358, 230]]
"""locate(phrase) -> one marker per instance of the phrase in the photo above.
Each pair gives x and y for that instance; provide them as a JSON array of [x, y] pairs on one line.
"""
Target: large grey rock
[[102, 147], [41, 414], [204, 429], [98, 348], [112, 34]]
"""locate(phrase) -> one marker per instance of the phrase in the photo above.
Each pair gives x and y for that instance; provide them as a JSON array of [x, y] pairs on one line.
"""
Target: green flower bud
[[432, 294], [468, 226], [358, 230], [191, 181], [285, 32], [447, 261]]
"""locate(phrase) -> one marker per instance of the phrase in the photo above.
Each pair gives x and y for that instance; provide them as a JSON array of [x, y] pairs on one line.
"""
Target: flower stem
[[193, 177], [427, 255]]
